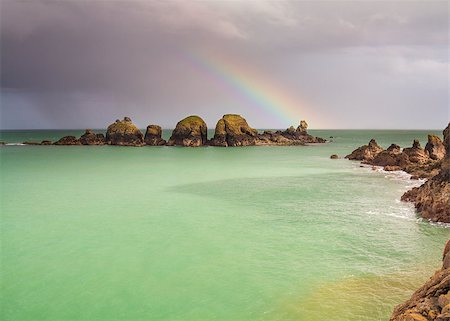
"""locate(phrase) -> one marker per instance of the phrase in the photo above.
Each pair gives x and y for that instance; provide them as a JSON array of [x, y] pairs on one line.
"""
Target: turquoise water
[[166, 233]]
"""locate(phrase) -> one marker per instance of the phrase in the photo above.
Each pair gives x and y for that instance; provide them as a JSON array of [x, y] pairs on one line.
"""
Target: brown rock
[[334, 156], [68, 140], [233, 130], [302, 127], [153, 136], [416, 154], [435, 147], [189, 132], [430, 302], [366, 152], [124, 133], [91, 138]]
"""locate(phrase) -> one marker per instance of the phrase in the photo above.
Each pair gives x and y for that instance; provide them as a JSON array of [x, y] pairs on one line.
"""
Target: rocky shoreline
[[431, 199], [431, 302], [231, 130]]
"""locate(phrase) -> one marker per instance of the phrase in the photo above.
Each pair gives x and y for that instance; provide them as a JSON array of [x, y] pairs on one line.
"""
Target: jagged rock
[[431, 301], [124, 133], [435, 147], [391, 157], [392, 168], [416, 153], [366, 152], [189, 132], [302, 127], [334, 156], [153, 136], [233, 130], [68, 140], [432, 199], [91, 138]]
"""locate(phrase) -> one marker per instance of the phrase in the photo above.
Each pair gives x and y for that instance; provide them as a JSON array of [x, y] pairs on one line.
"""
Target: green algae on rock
[[124, 133], [189, 132]]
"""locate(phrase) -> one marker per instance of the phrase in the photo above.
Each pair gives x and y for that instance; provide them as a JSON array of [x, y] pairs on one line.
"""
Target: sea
[[171, 233]]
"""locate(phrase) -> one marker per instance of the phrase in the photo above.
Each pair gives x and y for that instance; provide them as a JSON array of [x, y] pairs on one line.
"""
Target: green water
[[165, 233]]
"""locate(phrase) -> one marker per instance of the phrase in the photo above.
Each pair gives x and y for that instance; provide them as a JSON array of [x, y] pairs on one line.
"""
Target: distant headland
[[231, 130]]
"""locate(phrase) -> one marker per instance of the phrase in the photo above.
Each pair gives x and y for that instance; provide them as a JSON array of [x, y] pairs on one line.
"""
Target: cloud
[[69, 55]]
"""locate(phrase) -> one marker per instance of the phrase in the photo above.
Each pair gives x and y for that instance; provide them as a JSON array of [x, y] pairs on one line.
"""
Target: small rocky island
[[231, 130]]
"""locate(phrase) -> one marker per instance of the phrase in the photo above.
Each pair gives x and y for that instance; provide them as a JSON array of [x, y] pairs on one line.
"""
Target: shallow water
[[166, 233]]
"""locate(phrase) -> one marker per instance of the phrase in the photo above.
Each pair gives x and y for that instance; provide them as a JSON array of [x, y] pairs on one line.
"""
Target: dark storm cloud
[[85, 63]]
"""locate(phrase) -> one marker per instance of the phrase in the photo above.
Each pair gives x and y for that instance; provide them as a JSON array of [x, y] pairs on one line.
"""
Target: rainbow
[[250, 87]]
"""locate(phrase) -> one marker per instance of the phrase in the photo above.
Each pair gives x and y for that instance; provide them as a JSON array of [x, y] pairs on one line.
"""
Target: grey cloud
[[71, 63]]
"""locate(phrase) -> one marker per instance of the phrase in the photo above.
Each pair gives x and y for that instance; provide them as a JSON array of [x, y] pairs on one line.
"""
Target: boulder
[[233, 130], [366, 152], [91, 138], [431, 301], [124, 133], [189, 132], [435, 148], [153, 136], [68, 140], [334, 156], [416, 153]]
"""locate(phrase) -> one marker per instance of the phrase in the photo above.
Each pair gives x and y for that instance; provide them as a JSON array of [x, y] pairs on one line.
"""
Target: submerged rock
[[189, 132], [366, 152], [435, 148], [334, 156], [153, 136], [233, 130], [124, 133], [46, 142], [91, 138], [68, 140], [431, 302]]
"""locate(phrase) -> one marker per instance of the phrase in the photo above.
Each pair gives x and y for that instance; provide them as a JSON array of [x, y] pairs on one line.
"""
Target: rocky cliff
[[432, 301]]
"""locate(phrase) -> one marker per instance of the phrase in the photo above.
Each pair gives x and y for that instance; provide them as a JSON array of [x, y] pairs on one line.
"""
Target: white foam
[[15, 144]]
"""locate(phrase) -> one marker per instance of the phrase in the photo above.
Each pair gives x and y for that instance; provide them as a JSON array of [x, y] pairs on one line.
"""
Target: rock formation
[[432, 199], [153, 136], [124, 133], [68, 140], [416, 154], [91, 138], [366, 152], [435, 148], [233, 130], [432, 301], [392, 156], [189, 132], [290, 136]]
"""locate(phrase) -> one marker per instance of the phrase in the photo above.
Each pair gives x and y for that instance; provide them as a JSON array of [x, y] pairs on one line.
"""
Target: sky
[[337, 64]]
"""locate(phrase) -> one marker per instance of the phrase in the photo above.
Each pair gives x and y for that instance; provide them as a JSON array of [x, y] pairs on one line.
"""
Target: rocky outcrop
[[435, 148], [189, 132], [124, 133], [392, 156], [233, 130], [153, 136], [366, 152], [432, 301], [91, 138], [432, 199], [68, 140], [290, 136], [416, 154]]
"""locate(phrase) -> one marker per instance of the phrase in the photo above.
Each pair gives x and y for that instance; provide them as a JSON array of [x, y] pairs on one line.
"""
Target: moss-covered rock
[[124, 133], [153, 136], [190, 132], [233, 130]]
